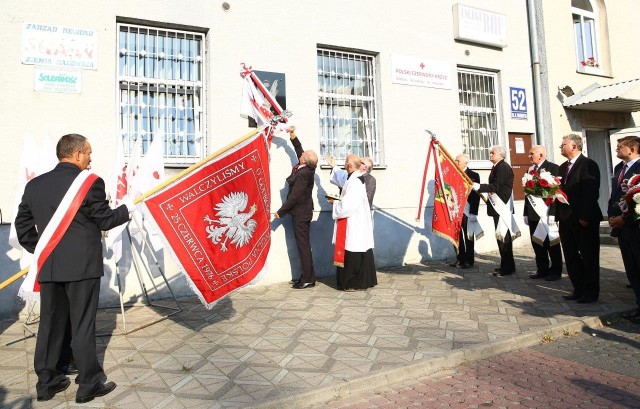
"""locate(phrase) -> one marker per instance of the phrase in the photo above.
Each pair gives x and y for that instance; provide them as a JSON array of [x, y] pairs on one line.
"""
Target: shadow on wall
[[10, 303]]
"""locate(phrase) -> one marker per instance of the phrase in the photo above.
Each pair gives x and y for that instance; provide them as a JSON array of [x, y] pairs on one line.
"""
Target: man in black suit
[[500, 187], [534, 209], [70, 276], [624, 227], [300, 204], [369, 180], [465, 257], [580, 220]]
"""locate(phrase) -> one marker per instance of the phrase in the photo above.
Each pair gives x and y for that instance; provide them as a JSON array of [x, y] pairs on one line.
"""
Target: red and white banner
[[215, 219], [451, 191]]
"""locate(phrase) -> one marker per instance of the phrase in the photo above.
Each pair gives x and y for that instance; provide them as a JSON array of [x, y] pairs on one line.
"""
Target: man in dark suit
[[546, 251], [300, 204], [369, 180], [624, 227], [70, 276], [465, 257], [580, 220], [500, 187]]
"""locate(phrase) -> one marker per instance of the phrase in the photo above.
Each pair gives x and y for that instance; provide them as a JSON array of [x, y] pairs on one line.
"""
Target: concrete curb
[[426, 367]]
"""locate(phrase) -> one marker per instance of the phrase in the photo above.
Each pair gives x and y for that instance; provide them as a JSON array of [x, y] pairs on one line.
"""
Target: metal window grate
[[161, 90], [479, 112], [346, 103]]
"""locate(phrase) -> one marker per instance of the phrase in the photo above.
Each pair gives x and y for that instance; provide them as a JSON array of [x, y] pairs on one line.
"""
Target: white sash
[[26, 289], [506, 223], [543, 229]]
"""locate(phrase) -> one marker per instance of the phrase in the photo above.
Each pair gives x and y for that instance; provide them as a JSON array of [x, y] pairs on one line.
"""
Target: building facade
[[363, 76], [589, 76]]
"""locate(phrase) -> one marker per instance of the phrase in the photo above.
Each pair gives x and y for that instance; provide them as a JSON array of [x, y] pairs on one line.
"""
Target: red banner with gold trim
[[451, 191], [216, 219]]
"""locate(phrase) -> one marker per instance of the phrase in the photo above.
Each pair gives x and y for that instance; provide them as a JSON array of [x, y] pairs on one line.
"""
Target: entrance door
[[519, 146], [598, 149]]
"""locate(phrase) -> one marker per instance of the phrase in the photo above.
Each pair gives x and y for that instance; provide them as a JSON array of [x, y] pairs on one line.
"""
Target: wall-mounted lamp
[[566, 90], [226, 6]]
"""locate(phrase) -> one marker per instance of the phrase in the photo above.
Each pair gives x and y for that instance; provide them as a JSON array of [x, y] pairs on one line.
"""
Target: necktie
[[566, 173], [535, 167], [295, 168], [621, 176]]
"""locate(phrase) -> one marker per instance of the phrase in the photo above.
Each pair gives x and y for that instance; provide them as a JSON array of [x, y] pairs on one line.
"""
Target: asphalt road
[[595, 368]]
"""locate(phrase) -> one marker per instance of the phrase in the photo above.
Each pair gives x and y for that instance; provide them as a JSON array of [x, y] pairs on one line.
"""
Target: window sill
[[591, 71]]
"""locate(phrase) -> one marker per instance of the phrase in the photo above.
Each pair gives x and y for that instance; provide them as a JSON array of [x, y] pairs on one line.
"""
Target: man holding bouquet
[[580, 220], [625, 227], [539, 216]]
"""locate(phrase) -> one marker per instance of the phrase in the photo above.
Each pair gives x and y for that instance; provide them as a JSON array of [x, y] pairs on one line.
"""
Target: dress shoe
[[537, 276], [501, 273], [465, 266], [571, 297], [296, 280], [552, 277], [455, 264], [61, 386], [69, 369], [301, 285], [497, 269], [586, 300], [635, 318], [100, 389]]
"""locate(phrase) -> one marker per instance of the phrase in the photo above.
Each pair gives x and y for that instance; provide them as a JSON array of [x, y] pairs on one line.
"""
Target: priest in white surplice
[[353, 232]]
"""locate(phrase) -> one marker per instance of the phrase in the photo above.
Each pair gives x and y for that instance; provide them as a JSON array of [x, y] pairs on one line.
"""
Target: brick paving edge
[[425, 367]]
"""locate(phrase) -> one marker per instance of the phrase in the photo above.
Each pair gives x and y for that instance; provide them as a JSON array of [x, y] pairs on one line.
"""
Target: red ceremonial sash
[[341, 238], [64, 225]]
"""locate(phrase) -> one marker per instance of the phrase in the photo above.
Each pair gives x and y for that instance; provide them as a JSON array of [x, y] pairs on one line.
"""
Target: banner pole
[[196, 166], [424, 180], [464, 175], [14, 277]]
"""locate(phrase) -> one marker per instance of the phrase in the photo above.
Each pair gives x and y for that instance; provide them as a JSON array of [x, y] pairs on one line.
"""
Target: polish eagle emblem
[[232, 224]]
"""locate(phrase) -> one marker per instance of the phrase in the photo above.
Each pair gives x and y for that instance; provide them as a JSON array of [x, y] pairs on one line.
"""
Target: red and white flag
[[36, 160], [450, 196], [215, 219], [149, 174], [118, 191], [254, 104]]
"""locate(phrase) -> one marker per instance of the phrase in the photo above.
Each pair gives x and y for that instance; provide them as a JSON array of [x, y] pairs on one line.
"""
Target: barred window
[[347, 105], [479, 112], [162, 93]]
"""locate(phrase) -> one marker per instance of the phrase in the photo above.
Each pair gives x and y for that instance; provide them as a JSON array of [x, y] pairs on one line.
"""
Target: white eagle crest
[[232, 225]]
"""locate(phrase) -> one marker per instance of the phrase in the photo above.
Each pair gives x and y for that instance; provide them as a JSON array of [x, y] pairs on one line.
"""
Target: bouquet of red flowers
[[543, 184], [630, 201]]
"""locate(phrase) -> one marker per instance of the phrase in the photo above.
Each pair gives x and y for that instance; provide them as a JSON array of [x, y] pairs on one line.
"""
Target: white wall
[[283, 39]]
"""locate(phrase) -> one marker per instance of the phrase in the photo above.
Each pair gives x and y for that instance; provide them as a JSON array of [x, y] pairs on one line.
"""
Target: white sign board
[[55, 79], [59, 46], [479, 26], [420, 72]]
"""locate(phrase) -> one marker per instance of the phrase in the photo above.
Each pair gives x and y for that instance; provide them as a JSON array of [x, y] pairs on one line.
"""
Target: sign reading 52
[[518, 103]]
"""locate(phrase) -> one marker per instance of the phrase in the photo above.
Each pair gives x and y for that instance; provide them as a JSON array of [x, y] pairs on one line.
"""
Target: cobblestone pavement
[[594, 368], [274, 347]]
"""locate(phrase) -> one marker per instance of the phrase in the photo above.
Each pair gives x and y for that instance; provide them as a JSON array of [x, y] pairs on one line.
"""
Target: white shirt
[[354, 205]]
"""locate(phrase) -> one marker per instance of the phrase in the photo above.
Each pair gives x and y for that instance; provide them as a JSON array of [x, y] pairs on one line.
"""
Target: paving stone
[[265, 344]]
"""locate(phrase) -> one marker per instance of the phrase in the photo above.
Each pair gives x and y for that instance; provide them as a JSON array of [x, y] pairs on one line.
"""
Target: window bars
[[479, 112], [346, 103], [161, 91]]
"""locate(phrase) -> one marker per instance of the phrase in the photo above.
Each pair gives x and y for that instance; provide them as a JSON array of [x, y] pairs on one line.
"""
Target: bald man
[[358, 271], [299, 204], [548, 255]]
